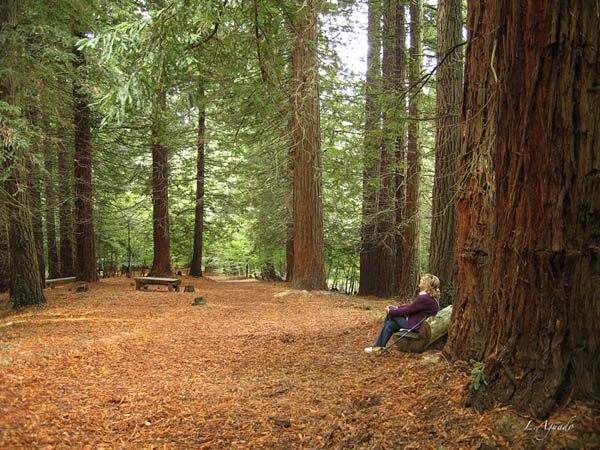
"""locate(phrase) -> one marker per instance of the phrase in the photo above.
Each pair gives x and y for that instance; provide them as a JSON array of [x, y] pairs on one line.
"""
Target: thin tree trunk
[[309, 260], [196, 265], [35, 201], [34, 194], [448, 102], [371, 155], [528, 234], [65, 218], [401, 112], [386, 236], [161, 265], [50, 206], [411, 241], [84, 211], [4, 256]]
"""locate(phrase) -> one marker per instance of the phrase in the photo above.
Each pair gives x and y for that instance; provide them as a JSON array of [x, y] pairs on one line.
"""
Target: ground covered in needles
[[258, 366]]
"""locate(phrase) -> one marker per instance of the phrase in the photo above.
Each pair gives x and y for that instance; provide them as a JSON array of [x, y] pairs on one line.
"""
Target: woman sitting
[[412, 315]]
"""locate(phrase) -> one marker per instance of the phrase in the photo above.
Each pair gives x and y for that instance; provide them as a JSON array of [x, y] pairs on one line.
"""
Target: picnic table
[[143, 282]]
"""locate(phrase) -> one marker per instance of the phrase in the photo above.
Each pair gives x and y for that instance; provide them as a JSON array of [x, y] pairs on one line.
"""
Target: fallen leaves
[[120, 368]]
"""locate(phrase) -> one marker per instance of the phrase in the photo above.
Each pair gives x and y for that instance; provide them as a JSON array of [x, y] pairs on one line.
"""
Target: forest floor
[[258, 366]]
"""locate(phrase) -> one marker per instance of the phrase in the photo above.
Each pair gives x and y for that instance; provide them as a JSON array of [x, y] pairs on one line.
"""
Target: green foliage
[[477, 374], [241, 56]]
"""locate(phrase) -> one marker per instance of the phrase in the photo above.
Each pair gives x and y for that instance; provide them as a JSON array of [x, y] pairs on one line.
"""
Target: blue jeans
[[391, 324]]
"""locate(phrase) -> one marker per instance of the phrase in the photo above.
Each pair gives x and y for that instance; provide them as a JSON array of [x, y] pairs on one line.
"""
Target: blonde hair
[[432, 285]]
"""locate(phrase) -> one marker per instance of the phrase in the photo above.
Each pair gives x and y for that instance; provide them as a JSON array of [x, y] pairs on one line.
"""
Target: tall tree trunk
[[528, 230], [34, 193], [447, 143], [289, 250], [84, 209], [65, 217], [368, 249], [196, 265], [386, 223], [309, 258], [4, 255], [25, 282], [400, 85], [34, 182], [411, 242], [161, 265], [50, 207]]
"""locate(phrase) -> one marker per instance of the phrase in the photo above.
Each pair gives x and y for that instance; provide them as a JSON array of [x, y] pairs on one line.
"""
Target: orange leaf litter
[[258, 366]]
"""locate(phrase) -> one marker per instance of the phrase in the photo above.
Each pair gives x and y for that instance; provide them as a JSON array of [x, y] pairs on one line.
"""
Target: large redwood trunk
[[85, 247], [196, 265], [528, 219], [25, 282], [309, 260], [410, 273], [371, 155], [161, 265], [385, 237], [447, 143]]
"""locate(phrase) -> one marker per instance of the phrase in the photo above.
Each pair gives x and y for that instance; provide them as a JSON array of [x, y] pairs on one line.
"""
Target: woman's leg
[[391, 324]]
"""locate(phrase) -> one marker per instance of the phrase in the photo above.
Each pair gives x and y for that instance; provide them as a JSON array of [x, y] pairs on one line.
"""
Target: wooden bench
[[143, 282], [52, 282], [431, 330]]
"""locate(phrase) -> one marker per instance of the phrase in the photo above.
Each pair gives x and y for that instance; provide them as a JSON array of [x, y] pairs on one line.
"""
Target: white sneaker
[[373, 349]]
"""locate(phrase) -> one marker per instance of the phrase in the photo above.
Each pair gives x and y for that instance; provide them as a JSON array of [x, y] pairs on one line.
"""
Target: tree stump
[[432, 329], [199, 301], [189, 289]]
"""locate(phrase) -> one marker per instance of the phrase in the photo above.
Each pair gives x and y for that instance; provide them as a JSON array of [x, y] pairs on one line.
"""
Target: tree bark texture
[[410, 236], [385, 237], [309, 259], [65, 217], [85, 247], [528, 214], [447, 144], [400, 85], [50, 209], [4, 256], [196, 265], [34, 182], [25, 282], [371, 157], [161, 265]]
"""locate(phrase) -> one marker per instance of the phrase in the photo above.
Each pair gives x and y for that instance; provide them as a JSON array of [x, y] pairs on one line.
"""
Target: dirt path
[[119, 368]]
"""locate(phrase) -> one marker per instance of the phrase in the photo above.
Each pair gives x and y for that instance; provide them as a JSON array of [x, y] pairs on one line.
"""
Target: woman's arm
[[406, 310]]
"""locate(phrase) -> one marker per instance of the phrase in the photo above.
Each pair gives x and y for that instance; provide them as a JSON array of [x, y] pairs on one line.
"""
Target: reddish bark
[[410, 272], [528, 229], [368, 250], [309, 260], [447, 144], [161, 265], [85, 247]]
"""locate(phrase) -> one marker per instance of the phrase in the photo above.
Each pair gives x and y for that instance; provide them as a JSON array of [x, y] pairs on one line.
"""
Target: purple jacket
[[423, 306]]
